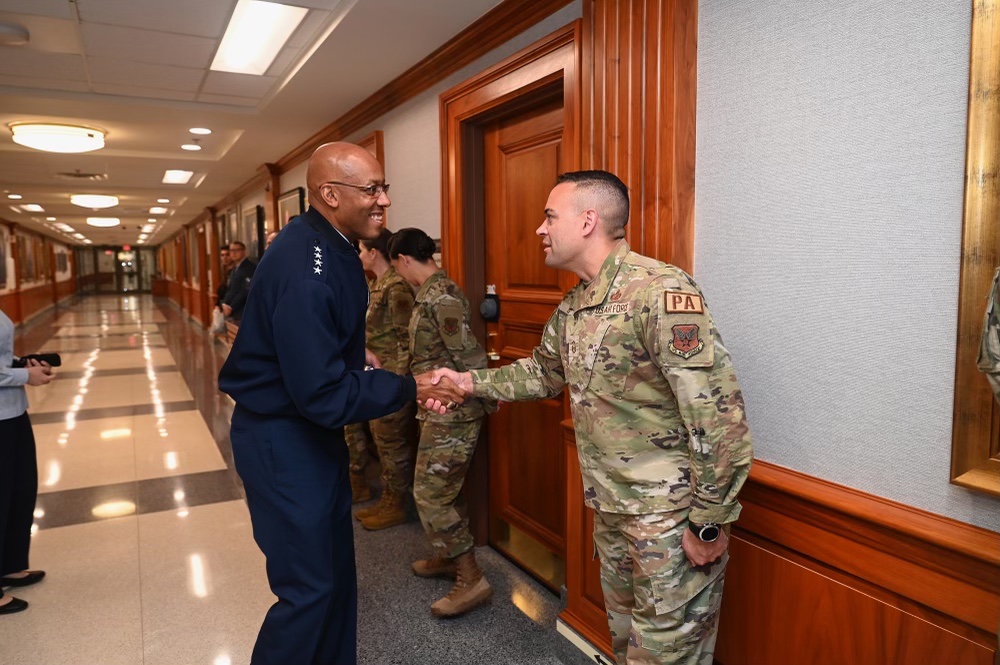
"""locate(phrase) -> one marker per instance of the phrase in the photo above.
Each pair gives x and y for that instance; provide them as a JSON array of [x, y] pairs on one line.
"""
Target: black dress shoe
[[33, 577], [15, 605]]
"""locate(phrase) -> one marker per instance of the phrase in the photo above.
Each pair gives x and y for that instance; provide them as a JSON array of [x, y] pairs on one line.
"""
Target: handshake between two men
[[438, 390], [443, 389]]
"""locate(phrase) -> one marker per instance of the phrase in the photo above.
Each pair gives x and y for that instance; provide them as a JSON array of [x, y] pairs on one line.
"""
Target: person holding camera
[[18, 468]]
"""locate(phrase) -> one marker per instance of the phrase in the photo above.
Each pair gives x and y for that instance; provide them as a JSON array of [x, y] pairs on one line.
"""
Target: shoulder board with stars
[[316, 263]]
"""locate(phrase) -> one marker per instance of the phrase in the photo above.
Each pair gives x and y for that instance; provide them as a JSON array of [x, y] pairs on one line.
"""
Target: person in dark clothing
[[225, 267], [239, 281], [297, 374]]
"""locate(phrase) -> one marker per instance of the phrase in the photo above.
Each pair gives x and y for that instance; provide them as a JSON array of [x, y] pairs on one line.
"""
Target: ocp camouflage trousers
[[661, 610], [395, 437], [443, 457]]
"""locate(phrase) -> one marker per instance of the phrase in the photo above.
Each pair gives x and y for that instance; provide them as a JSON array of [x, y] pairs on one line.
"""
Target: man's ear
[[591, 220], [332, 199]]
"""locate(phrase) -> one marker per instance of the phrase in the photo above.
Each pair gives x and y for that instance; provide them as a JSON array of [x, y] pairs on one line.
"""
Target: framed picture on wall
[[252, 231], [232, 226], [290, 204], [4, 245]]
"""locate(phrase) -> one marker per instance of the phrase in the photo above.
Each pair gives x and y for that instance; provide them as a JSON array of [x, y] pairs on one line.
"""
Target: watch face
[[709, 533]]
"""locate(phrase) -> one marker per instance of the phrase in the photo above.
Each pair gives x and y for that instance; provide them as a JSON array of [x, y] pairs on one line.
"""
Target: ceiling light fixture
[[52, 137], [255, 34], [157, 210], [94, 201], [103, 222], [13, 34], [163, 200], [32, 207], [50, 219], [14, 197], [176, 177], [191, 146], [148, 228], [201, 131]]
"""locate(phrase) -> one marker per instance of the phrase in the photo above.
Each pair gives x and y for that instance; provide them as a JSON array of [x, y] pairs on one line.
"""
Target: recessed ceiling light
[[52, 137], [50, 219], [255, 34], [32, 207], [201, 131], [88, 241], [176, 177], [148, 228], [163, 200], [157, 210], [191, 146], [143, 237], [94, 201], [79, 236], [103, 222], [14, 197]]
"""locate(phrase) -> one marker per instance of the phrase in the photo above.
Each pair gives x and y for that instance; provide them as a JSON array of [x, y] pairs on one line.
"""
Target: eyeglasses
[[370, 190]]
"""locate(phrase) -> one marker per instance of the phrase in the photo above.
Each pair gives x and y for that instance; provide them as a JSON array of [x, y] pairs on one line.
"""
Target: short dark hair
[[224, 248], [611, 192], [413, 243], [237, 243], [380, 244]]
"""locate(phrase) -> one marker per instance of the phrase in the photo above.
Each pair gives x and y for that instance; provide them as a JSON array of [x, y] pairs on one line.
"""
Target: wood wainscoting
[[823, 574]]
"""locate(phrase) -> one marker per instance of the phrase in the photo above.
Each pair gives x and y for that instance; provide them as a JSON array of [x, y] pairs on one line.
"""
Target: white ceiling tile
[[185, 17], [26, 63], [240, 85], [282, 61], [54, 8], [328, 5], [306, 32], [108, 41], [227, 100], [141, 74], [43, 84], [138, 91]]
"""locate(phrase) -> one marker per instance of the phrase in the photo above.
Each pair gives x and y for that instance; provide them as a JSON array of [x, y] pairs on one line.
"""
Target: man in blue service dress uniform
[[296, 372]]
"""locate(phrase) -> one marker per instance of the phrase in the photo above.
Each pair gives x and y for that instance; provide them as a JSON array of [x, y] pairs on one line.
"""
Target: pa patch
[[686, 342], [450, 326], [678, 302]]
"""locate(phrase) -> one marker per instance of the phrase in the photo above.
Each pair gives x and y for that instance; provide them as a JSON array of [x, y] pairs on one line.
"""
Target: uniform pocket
[[676, 586]]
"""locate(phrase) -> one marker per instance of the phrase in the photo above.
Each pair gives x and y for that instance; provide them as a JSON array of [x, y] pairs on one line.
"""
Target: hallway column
[[639, 84]]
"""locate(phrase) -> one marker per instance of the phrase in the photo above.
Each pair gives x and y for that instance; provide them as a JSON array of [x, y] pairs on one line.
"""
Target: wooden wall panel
[[639, 83], [822, 573], [34, 299], [10, 303]]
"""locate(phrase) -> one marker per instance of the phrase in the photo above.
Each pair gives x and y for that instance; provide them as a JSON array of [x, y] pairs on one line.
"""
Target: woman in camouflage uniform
[[440, 337], [389, 307]]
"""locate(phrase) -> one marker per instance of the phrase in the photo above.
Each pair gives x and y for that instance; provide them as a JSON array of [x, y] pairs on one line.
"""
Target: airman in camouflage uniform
[[989, 344], [389, 307], [660, 425], [440, 336]]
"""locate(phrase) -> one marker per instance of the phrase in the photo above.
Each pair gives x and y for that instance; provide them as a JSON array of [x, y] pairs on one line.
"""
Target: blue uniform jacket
[[300, 350]]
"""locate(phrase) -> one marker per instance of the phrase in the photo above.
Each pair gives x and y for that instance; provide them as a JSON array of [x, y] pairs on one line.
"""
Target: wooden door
[[522, 157]]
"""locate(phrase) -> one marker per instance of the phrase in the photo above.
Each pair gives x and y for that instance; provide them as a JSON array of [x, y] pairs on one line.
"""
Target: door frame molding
[[538, 71], [518, 81]]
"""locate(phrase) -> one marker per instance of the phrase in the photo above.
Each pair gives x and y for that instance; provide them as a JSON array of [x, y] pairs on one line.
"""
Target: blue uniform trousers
[[299, 495]]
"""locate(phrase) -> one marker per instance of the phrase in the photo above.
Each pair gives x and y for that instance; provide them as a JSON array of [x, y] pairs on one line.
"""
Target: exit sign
[[126, 248]]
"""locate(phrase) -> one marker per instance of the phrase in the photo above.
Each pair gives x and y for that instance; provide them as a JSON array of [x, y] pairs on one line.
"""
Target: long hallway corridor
[[143, 530]]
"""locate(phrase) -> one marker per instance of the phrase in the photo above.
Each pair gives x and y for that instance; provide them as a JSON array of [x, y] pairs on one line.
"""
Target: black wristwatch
[[707, 533]]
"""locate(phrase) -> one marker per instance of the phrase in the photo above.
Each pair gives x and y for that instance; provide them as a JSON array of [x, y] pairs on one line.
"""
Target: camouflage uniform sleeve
[[400, 308], [687, 348], [537, 377]]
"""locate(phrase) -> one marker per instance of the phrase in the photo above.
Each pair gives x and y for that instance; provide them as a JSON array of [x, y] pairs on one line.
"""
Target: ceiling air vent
[[79, 176]]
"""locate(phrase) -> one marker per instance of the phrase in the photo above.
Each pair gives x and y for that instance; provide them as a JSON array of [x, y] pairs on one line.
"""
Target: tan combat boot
[[360, 490], [436, 567], [371, 510], [471, 589], [390, 511]]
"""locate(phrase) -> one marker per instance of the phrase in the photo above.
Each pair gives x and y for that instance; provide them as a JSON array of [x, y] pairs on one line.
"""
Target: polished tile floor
[[143, 529]]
